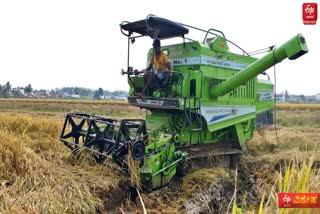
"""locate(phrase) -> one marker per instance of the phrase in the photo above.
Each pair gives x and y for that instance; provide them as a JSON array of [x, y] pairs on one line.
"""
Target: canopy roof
[[147, 27]]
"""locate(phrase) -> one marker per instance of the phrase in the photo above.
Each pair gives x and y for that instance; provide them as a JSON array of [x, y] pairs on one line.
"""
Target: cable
[[275, 105], [263, 50]]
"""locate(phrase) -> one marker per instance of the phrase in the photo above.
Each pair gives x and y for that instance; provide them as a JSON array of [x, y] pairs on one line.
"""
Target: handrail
[[199, 29], [211, 29], [122, 23]]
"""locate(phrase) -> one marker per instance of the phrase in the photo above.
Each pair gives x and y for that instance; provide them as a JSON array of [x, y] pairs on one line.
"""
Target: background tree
[[1, 90], [16, 92], [7, 90], [77, 91], [98, 94], [28, 89]]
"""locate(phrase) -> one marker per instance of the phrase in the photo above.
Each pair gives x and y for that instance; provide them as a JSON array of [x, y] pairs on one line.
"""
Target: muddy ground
[[209, 190], [254, 180]]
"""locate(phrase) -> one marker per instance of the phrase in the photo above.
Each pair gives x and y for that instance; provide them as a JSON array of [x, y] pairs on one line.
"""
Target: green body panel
[[159, 166], [265, 96], [214, 98]]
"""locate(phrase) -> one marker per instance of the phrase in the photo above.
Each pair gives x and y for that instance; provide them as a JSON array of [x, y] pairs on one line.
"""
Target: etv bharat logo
[[309, 13], [298, 200]]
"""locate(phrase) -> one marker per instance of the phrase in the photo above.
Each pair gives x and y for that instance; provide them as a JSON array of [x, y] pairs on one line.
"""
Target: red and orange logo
[[309, 13], [298, 200]]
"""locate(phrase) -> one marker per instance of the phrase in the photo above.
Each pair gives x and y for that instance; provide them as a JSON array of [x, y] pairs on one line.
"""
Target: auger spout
[[292, 49]]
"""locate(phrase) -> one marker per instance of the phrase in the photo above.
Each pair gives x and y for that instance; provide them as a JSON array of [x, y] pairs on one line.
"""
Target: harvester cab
[[210, 107]]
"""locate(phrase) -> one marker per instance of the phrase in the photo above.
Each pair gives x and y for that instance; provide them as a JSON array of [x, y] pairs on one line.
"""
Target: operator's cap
[[156, 43]]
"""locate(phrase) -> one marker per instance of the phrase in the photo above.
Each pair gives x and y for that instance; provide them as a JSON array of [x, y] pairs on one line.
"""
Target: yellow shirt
[[160, 63]]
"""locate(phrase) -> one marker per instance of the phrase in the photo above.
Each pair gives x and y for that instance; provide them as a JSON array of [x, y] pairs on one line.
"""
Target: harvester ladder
[[193, 107]]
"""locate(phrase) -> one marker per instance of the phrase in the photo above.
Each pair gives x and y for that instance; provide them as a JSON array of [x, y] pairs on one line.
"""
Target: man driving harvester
[[160, 64]]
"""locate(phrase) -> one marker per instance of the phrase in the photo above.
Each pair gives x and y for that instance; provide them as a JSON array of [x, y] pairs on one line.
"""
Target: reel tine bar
[[103, 137]]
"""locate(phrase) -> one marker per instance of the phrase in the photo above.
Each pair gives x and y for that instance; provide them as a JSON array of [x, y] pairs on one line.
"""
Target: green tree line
[[7, 90]]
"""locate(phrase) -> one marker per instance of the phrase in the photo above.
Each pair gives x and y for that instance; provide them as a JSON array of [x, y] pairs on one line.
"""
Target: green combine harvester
[[210, 106]]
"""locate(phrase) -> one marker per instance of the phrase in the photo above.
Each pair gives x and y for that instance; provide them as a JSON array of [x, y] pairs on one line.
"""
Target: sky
[[53, 44]]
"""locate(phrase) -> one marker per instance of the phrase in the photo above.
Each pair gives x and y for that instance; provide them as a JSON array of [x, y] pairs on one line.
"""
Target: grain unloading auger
[[210, 107]]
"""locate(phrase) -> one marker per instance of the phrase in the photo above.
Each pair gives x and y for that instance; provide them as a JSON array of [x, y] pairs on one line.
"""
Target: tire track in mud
[[213, 192]]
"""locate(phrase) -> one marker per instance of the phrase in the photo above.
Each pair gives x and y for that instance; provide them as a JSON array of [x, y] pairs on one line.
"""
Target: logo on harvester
[[309, 13], [219, 117]]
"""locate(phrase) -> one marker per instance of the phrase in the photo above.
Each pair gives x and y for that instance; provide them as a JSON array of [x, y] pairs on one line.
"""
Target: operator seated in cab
[[161, 69]]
